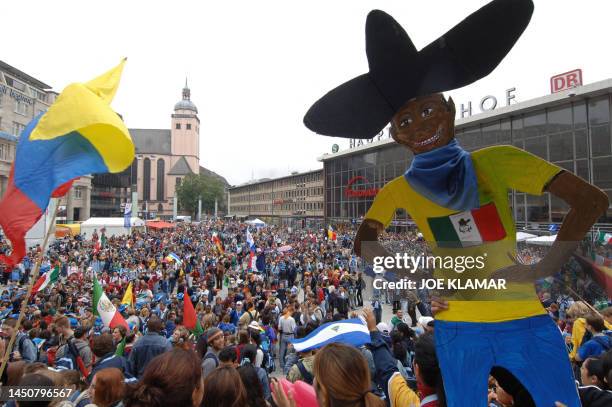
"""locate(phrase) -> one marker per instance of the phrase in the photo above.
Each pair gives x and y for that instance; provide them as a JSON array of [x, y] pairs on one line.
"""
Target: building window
[[14, 83], [21, 107], [17, 128], [78, 192], [146, 180], [178, 182], [161, 170], [178, 126], [188, 126]]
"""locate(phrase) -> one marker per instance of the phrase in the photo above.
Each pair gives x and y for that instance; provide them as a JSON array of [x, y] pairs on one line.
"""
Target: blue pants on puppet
[[532, 349]]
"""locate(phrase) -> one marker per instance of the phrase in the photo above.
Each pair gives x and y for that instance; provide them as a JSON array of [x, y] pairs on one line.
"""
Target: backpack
[[306, 375], [22, 340], [72, 360], [268, 361], [213, 357]]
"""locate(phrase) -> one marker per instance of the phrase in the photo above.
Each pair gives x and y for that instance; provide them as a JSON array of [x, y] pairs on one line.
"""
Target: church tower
[[185, 133]]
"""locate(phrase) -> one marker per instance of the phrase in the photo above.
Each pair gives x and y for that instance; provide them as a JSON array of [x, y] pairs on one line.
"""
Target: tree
[[202, 186]]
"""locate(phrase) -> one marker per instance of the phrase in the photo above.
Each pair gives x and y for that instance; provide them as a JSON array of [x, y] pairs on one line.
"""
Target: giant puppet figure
[[459, 200]]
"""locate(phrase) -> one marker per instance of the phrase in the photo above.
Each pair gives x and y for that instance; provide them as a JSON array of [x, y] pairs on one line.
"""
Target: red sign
[[361, 193], [566, 81]]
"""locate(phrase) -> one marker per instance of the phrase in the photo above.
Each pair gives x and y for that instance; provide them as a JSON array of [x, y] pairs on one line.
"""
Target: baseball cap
[[384, 328]]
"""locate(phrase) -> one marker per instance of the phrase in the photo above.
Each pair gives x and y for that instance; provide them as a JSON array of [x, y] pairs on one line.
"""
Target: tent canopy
[[522, 236], [101, 222], [160, 224], [542, 240], [256, 222]]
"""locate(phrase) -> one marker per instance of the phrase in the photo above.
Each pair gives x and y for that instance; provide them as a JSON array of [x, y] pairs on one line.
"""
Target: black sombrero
[[362, 107]]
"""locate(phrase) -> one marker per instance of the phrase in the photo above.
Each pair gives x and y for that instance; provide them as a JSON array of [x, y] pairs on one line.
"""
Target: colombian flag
[[80, 134]]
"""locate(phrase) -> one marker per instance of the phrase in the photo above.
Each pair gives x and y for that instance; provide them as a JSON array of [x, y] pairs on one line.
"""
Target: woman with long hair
[[107, 387], [247, 357], [255, 395], [341, 379], [223, 388], [171, 379]]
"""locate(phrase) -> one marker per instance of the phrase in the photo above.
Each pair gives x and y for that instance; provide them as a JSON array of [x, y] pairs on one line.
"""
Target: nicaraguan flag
[[349, 331]]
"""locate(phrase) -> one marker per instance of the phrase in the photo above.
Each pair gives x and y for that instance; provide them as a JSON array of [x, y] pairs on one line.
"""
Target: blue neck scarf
[[445, 176]]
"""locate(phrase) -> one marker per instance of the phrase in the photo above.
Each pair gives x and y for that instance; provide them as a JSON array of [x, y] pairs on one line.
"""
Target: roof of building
[[186, 103], [23, 76], [206, 171], [262, 180], [6, 136], [181, 168], [151, 141], [578, 93]]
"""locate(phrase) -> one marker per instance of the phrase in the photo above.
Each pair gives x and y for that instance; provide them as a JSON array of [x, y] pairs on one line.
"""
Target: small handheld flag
[[128, 297], [350, 331], [173, 257], [190, 319]]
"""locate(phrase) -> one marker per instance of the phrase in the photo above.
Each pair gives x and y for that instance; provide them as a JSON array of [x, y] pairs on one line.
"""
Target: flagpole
[[26, 299]]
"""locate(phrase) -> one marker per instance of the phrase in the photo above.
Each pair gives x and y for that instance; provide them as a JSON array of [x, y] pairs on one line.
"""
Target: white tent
[[113, 226], [542, 240], [256, 222], [522, 236]]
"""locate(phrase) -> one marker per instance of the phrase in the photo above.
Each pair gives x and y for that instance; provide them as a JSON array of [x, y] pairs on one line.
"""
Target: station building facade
[[570, 129]]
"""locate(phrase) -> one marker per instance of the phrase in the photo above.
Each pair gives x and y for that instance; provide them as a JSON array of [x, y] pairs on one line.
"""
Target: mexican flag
[[105, 309], [43, 281], [469, 228], [190, 319], [604, 238]]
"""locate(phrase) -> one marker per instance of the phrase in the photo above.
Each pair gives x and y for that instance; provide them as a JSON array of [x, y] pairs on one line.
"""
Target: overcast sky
[[255, 67]]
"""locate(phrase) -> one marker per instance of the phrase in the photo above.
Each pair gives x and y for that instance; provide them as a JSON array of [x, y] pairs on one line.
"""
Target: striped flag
[[469, 228], [349, 331], [105, 309], [48, 278], [175, 258]]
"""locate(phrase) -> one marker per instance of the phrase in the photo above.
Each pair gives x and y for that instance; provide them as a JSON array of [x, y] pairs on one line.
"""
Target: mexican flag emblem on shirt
[[469, 228], [105, 309]]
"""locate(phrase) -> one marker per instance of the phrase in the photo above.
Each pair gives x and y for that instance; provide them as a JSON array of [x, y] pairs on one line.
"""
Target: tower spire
[[186, 91]]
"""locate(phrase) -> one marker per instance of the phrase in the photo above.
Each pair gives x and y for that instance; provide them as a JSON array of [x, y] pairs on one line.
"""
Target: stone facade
[[164, 157], [22, 98], [287, 200]]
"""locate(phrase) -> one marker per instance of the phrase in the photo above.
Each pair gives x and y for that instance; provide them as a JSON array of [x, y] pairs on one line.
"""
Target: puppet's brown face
[[425, 123]]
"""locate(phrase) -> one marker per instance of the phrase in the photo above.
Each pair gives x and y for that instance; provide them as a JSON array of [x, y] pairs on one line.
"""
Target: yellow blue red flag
[[80, 134]]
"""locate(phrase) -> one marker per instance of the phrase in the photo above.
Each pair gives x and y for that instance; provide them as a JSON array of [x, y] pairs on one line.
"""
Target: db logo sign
[[566, 81]]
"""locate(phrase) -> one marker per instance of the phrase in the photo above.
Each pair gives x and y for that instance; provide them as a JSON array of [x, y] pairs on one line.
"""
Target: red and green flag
[[46, 279], [190, 319], [105, 309], [469, 228]]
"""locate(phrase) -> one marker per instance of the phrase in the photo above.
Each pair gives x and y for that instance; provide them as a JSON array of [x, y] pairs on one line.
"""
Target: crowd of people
[[254, 293]]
